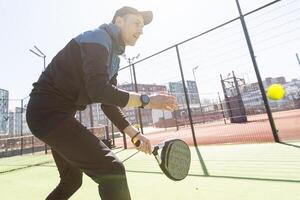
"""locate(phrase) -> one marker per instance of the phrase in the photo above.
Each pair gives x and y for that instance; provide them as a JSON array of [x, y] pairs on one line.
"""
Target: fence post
[[113, 134], [32, 142], [91, 116], [220, 102], [21, 152], [262, 90], [186, 97]]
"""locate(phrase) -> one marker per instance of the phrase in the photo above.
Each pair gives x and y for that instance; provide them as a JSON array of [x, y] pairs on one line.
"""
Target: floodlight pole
[[130, 61], [297, 56], [39, 53], [194, 69]]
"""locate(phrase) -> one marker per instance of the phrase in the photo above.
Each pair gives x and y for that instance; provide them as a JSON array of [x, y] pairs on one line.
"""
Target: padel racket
[[173, 157]]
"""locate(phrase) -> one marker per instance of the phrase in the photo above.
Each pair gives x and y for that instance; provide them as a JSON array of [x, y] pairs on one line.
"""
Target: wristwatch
[[145, 99]]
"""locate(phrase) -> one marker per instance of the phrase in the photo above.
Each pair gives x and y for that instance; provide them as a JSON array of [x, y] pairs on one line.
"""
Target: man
[[84, 72]]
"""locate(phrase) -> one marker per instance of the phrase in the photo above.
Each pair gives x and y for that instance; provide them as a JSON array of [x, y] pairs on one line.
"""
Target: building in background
[[176, 89], [149, 116], [18, 121], [292, 89], [253, 101], [4, 95], [144, 88], [250, 94], [99, 119], [11, 124], [269, 81], [92, 112]]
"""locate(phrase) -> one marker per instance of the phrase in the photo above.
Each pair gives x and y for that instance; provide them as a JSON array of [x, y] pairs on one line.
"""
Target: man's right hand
[[157, 101], [163, 102], [145, 144]]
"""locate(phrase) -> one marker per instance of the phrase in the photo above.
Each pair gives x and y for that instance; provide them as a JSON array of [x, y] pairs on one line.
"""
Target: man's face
[[131, 27]]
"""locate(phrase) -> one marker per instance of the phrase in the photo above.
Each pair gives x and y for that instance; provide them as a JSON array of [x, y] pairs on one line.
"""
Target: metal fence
[[15, 137], [219, 78]]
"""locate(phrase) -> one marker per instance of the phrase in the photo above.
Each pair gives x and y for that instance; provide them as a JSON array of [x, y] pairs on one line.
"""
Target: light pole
[[42, 55], [130, 61], [197, 87], [137, 115], [298, 58], [39, 54]]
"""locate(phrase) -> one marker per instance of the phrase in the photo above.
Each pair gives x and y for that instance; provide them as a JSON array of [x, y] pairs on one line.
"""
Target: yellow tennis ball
[[275, 92]]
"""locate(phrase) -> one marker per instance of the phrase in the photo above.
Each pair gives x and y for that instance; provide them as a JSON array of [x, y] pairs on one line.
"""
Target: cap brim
[[147, 16]]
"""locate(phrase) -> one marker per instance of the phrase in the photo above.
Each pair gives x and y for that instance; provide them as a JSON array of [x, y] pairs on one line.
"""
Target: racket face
[[176, 159]]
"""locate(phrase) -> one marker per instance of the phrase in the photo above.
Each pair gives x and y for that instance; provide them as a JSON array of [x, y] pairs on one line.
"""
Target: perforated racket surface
[[173, 157]]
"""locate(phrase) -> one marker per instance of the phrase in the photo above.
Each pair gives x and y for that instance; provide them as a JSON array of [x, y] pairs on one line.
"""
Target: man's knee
[[114, 172], [71, 183], [117, 167]]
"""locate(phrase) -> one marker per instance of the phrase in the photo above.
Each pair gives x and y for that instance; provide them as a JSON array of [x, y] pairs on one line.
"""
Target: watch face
[[145, 99]]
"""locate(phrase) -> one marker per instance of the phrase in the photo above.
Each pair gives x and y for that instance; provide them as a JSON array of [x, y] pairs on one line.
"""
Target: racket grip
[[136, 142]]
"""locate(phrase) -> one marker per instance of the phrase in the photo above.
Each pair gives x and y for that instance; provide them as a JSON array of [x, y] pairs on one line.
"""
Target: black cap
[[147, 15]]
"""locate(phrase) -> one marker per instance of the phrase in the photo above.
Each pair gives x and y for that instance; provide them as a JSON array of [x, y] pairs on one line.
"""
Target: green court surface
[[243, 172]]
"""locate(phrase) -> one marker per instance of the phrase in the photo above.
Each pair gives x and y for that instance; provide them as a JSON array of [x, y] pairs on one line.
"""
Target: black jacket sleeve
[[114, 113], [94, 61]]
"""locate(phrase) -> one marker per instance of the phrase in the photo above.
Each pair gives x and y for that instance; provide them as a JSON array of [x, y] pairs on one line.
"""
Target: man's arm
[[94, 60], [114, 113], [117, 117]]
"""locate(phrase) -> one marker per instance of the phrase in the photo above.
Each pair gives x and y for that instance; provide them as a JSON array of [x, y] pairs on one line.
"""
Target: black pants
[[75, 150]]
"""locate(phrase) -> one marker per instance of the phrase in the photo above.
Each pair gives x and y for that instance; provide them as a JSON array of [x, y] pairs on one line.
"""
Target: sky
[[50, 24]]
